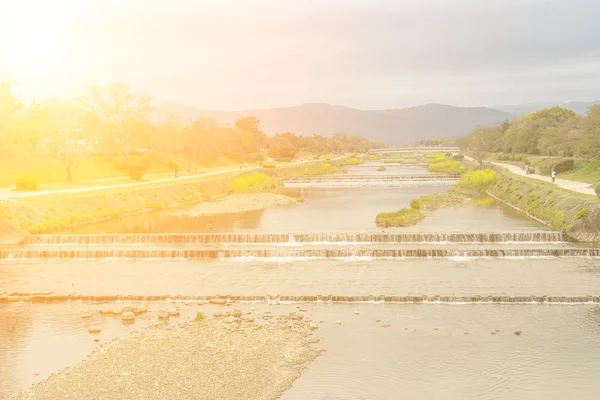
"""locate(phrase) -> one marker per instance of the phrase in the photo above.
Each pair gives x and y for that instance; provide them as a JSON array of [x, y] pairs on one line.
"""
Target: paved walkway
[[8, 193], [580, 187]]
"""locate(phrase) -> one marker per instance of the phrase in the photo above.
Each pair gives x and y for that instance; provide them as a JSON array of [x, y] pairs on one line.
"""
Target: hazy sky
[[369, 54]]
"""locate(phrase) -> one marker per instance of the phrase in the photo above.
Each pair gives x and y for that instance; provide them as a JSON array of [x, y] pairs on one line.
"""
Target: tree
[[119, 108]]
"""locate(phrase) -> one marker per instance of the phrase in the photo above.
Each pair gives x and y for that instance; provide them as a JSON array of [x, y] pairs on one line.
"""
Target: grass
[[353, 161], [253, 183], [403, 217], [448, 167], [382, 168]]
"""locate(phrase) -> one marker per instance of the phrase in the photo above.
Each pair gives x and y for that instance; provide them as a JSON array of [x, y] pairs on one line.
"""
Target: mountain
[[579, 107], [394, 126]]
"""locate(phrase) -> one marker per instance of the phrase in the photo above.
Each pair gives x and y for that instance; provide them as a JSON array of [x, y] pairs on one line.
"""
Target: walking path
[[9, 194], [580, 187]]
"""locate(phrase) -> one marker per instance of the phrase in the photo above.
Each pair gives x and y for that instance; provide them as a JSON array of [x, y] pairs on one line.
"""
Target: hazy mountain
[[579, 107], [393, 126]]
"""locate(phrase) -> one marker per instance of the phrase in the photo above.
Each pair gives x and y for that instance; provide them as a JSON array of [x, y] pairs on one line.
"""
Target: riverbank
[[575, 213], [208, 359], [238, 203]]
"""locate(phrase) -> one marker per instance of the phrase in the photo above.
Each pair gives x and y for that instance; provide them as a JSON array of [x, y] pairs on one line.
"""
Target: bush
[[26, 183], [404, 217], [372, 157], [136, 166], [382, 168], [478, 180], [564, 166], [584, 212], [269, 165], [353, 161], [597, 190], [415, 204], [253, 183], [448, 167], [458, 157]]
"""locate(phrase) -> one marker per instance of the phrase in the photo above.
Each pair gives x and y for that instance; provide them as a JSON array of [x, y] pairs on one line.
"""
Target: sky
[[244, 54]]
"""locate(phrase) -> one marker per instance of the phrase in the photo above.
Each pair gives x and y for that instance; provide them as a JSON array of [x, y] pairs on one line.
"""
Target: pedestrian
[[240, 167], [553, 175]]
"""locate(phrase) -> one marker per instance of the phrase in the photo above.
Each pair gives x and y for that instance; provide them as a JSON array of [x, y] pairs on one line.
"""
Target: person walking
[[553, 175]]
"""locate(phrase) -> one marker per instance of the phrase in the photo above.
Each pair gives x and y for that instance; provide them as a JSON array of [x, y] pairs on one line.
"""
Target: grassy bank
[[575, 213], [50, 213]]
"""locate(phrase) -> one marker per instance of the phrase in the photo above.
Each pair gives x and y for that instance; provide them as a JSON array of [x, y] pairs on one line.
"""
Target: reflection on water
[[555, 277], [328, 209], [423, 353]]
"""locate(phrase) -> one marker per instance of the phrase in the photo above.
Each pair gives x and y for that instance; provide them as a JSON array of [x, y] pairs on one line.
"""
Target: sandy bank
[[215, 359], [238, 203]]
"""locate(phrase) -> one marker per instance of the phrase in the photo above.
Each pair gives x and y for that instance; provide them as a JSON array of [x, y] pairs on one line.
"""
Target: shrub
[[382, 168], [415, 204], [323, 169], [478, 180], [482, 201], [269, 165], [597, 190], [403, 217], [353, 161], [434, 157], [136, 167], [448, 167], [26, 183], [458, 157], [372, 157], [584, 212], [253, 183], [564, 166]]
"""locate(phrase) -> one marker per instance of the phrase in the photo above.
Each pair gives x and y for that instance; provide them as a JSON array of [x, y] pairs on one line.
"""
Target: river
[[444, 332]]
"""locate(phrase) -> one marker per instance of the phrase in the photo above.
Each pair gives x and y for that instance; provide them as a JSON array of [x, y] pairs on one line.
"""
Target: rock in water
[[163, 314], [338, 322], [106, 311], [518, 332], [117, 311], [86, 315], [128, 316], [94, 329], [217, 301], [313, 327]]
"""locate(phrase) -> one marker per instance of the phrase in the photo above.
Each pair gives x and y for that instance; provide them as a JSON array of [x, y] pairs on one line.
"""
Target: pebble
[[128, 316]]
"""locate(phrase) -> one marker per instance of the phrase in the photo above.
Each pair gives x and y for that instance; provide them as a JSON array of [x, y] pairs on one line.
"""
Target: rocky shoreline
[[237, 203], [228, 357]]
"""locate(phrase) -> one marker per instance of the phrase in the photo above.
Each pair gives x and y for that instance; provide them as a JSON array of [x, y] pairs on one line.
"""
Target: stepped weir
[[374, 178], [276, 299], [294, 238]]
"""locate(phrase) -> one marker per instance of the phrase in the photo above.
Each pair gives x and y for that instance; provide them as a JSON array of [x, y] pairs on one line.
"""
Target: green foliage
[[436, 201], [372, 157], [434, 157], [448, 167], [253, 183], [381, 169], [564, 166], [477, 180], [353, 161], [26, 183], [269, 165], [482, 201], [597, 190], [403, 217], [415, 204], [324, 169], [584, 212], [394, 161]]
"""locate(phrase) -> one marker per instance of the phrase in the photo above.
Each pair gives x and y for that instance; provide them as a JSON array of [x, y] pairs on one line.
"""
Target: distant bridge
[[374, 178], [415, 150]]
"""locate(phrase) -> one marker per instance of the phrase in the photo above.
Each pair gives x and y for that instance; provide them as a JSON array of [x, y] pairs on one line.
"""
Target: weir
[[297, 238], [291, 253], [319, 298], [374, 178]]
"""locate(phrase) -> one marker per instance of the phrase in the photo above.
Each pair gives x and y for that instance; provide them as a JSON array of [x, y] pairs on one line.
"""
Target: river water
[[431, 350]]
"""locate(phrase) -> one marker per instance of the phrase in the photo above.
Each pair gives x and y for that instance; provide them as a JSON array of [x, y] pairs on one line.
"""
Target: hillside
[[395, 126], [580, 107]]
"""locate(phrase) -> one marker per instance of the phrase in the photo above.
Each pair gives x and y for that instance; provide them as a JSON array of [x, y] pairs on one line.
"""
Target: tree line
[[114, 120], [554, 131]]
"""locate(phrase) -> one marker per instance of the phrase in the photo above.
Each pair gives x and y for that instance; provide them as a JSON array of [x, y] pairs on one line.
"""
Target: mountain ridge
[[391, 126]]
